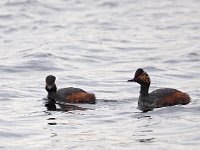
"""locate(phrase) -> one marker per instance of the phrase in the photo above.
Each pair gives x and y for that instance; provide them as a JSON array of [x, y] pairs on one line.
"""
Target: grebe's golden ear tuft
[[141, 76], [144, 77]]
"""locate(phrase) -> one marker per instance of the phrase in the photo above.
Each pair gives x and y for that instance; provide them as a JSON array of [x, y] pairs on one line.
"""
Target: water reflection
[[51, 105], [54, 134], [148, 140], [52, 123]]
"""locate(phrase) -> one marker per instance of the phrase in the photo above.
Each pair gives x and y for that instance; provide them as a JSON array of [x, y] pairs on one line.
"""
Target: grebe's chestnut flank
[[158, 98], [68, 95]]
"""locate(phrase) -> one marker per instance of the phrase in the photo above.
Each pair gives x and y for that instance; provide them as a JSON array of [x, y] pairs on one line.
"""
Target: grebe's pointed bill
[[132, 80]]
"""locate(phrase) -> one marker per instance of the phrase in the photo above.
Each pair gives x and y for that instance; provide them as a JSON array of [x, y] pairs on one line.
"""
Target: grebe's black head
[[141, 77], [50, 83]]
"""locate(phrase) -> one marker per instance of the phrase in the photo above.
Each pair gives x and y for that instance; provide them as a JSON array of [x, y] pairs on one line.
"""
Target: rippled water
[[97, 46]]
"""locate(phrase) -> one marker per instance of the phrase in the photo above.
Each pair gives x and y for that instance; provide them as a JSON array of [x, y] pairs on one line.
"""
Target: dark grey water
[[97, 46]]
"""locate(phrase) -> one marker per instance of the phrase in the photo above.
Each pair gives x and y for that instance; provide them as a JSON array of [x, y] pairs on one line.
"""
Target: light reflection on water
[[97, 46]]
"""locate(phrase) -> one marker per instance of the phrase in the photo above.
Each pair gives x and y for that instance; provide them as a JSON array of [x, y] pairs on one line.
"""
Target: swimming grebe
[[67, 95], [158, 98]]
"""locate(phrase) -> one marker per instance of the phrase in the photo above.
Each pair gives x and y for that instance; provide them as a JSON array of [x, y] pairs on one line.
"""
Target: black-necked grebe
[[68, 95], [158, 98]]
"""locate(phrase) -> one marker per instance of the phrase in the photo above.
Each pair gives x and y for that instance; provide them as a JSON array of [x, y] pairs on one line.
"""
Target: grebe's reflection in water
[[51, 105]]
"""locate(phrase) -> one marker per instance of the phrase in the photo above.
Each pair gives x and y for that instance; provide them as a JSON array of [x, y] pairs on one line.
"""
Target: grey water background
[[97, 46]]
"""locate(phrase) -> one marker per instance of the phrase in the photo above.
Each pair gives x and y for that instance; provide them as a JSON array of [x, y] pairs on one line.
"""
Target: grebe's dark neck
[[144, 89], [51, 95], [51, 92]]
